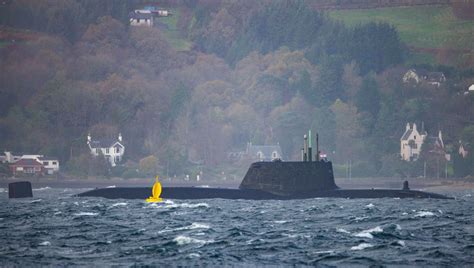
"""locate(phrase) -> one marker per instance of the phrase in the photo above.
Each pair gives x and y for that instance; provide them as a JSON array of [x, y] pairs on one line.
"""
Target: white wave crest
[[362, 246], [3, 190], [111, 186], [194, 255], [184, 240], [193, 226], [45, 243], [422, 214], [119, 204], [36, 201], [280, 222], [187, 205], [370, 205], [401, 243], [368, 233], [86, 214], [342, 230], [42, 188], [325, 252]]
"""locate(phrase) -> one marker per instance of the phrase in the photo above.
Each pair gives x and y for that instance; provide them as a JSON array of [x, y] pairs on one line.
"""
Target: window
[[117, 149], [55, 163], [45, 163], [97, 150], [414, 137], [274, 155], [107, 151]]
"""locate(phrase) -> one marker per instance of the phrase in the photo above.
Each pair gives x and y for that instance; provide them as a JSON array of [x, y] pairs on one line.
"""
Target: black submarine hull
[[252, 194]]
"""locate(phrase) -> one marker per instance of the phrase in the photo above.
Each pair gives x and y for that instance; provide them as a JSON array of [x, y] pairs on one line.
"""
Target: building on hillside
[[263, 153], [28, 167], [111, 149], [462, 150], [162, 12], [411, 142], [436, 146], [423, 76], [141, 18], [9, 157], [51, 165]]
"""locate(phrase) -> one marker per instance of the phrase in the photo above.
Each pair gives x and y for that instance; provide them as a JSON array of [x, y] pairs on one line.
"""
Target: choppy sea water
[[54, 228]]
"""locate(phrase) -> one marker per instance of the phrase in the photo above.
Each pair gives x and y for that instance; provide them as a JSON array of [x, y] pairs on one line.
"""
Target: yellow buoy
[[155, 192]]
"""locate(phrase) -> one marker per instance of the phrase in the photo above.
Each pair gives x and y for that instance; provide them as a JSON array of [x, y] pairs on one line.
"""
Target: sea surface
[[57, 229]]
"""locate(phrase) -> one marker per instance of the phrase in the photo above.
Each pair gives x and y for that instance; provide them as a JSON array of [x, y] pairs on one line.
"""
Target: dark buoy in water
[[20, 189], [405, 186]]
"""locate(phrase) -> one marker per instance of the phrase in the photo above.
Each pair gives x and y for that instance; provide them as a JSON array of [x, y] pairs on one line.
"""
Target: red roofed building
[[27, 167]]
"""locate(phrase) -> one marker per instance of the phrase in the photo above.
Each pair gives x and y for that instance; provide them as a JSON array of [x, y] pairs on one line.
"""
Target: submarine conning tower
[[293, 177]]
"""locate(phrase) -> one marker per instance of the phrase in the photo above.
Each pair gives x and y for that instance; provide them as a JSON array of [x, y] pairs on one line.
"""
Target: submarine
[[276, 180]]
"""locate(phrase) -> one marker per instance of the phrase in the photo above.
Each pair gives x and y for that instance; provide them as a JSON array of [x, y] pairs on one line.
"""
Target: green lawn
[[168, 25], [421, 26]]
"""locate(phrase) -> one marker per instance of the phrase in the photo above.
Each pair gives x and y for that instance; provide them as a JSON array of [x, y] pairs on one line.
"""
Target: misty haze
[[251, 119]]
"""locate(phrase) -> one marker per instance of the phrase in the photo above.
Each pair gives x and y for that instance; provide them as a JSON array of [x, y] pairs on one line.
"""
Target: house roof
[[407, 134], [46, 158], [27, 162], [266, 150], [435, 76], [431, 76], [104, 143], [139, 15]]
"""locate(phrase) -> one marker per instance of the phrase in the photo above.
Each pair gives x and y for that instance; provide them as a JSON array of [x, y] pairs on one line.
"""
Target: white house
[[141, 17], [411, 141], [51, 165], [263, 152], [111, 149], [471, 88], [418, 76]]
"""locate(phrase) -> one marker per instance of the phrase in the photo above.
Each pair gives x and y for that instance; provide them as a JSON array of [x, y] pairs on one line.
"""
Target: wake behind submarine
[[276, 180]]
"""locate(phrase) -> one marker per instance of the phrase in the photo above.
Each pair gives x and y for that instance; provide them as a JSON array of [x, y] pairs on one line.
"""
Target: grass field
[[168, 25], [420, 26]]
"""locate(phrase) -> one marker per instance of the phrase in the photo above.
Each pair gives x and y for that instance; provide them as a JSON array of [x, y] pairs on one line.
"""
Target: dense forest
[[258, 71]]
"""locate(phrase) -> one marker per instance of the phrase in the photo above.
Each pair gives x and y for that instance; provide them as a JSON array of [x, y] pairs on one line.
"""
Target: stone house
[[411, 142]]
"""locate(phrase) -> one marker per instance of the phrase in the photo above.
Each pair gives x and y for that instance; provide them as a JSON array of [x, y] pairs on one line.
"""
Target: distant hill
[[367, 4], [434, 34]]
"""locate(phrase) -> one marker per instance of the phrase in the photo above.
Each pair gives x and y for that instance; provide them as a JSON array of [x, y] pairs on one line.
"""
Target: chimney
[[414, 127], [120, 137], [408, 127], [89, 139], [440, 137]]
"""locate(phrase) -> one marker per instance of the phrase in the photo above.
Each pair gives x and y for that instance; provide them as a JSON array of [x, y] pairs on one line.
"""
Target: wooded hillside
[[257, 71]]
